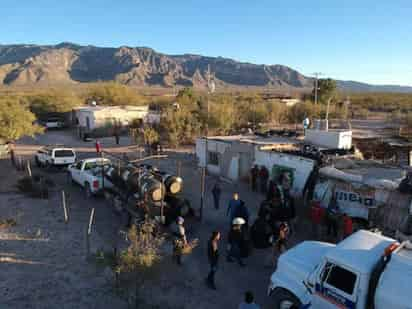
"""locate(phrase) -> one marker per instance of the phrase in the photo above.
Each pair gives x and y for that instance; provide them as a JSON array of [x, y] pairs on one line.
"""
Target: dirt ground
[[43, 260]]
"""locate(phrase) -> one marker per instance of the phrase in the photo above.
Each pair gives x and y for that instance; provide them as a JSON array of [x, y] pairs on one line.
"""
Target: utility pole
[[317, 74], [210, 90]]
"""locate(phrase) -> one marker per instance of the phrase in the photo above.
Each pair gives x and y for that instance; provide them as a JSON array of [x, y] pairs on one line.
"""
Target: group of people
[[332, 219], [271, 229], [259, 177]]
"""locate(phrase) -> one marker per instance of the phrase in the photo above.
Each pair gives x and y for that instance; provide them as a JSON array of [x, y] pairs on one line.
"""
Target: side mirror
[[308, 286]]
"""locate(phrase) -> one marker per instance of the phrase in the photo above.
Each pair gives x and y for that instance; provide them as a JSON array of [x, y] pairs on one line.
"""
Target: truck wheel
[[87, 190], [285, 300]]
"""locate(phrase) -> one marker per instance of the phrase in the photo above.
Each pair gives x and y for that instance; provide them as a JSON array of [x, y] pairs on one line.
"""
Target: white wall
[[330, 139], [302, 166], [213, 146], [82, 115]]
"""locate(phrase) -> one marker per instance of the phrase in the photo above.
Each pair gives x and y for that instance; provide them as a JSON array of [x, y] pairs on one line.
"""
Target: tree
[[53, 102], [150, 136], [326, 89], [16, 120], [112, 93], [143, 252]]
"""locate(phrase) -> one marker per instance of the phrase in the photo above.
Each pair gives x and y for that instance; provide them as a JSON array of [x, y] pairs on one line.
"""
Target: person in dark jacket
[[260, 233], [254, 173], [213, 256], [216, 191], [232, 208], [235, 241], [242, 212], [332, 215], [263, 179]]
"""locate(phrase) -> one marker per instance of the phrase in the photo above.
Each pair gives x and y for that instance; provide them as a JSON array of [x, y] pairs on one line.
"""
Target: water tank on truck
[[136, 180]]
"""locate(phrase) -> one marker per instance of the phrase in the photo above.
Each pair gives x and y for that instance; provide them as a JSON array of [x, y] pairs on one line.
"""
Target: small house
[[99, 119]]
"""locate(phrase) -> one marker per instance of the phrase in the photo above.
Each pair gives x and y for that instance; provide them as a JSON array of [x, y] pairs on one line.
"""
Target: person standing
[[213, 257], [316, 218], [180, 240], [254, 173], [263, 177], [98, 147], [243, 212], [232, 208], [347, 225], [235, 241], [332, 214], [280, 244], [249, 302], [216, 191]]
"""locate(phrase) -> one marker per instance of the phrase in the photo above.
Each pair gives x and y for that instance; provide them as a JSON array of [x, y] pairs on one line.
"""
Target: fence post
[[179, 168], [202, 192], [88, 232], [29, 168], [66, 216]]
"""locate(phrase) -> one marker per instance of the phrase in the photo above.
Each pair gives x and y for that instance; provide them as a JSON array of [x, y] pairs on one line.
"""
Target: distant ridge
[[70, 63]]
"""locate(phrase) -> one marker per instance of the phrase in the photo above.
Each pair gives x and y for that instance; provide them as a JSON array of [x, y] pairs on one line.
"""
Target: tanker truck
[[144, 190]]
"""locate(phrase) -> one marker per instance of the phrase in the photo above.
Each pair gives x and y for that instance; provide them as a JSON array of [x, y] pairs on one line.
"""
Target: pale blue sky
[[364, 40]]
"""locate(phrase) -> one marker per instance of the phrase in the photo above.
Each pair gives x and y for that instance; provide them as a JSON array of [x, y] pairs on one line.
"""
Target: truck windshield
[[92, 165], [63, 153], [340, 278]]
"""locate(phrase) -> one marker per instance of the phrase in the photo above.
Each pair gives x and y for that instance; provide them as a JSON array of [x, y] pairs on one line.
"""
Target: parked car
[[53, 123], [88, 173], [366, 270], [58, 156]]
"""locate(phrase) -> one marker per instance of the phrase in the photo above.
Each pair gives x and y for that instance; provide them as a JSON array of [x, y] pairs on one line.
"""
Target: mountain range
[[70, 63]]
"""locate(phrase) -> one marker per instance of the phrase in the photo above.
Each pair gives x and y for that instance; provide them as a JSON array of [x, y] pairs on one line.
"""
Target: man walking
[[216, 191], [233, 205], [213, 256], [236, 241]]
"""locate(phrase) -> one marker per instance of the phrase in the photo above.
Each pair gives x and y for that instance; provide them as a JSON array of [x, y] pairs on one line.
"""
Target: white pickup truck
[[55, 156], [366, 270], [88, 174]]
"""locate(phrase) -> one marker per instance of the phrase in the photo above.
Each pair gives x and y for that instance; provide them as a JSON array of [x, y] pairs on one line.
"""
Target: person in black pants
[[216, 191], [236, 241], [213, 256]]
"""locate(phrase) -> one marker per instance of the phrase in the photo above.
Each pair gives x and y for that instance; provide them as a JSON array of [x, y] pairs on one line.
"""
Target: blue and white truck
[[366, 270]]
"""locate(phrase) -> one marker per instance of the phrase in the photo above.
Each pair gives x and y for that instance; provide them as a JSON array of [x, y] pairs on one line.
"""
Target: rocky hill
[[137, 66]]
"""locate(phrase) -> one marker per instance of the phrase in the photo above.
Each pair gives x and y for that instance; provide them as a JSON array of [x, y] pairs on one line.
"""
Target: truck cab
[[88, 174], [352, 274], [55, 156]]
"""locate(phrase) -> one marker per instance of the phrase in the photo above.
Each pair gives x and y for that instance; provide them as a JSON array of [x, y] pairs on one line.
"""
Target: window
[[213, 158], [339, 278], [63, 153]]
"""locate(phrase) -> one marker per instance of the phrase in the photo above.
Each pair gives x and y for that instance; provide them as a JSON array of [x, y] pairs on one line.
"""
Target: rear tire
[[285, 299]]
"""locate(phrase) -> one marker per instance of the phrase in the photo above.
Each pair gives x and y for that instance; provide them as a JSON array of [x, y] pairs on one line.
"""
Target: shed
[[232, 157]]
